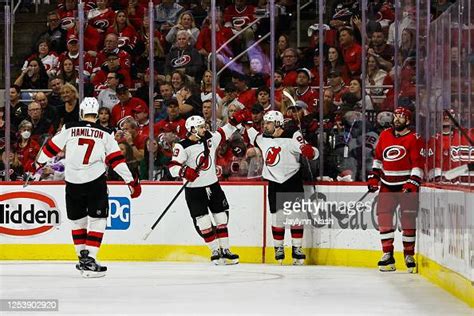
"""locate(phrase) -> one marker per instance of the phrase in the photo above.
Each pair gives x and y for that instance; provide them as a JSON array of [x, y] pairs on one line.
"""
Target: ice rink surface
[[198, 288]]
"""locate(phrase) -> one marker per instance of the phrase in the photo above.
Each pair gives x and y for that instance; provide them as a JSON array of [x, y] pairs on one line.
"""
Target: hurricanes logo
[[461, 153], [206, 164], [181, 61], [240, 21], [272, 156], [122, 41], [102, 24], [67, 22], [394, 153]]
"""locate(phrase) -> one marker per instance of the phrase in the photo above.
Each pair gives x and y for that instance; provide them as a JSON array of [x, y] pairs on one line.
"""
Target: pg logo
[[272, 156], [119, 215]]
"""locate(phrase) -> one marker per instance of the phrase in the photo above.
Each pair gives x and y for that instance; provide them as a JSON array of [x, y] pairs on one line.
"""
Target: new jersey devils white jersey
[[281, 155], [88, 148], [192, 154]]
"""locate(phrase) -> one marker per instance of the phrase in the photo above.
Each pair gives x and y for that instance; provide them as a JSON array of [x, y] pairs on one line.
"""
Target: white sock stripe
[[409, 238], [220, 218], [79, 223], [388, 235]]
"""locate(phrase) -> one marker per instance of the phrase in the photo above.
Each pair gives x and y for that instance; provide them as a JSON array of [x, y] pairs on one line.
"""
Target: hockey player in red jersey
[[282, 150], [194, 160], [88, 147], [449, 150], [398, 167]]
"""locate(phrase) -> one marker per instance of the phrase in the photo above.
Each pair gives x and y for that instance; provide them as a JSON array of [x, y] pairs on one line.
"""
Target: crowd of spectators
[[116, 59]]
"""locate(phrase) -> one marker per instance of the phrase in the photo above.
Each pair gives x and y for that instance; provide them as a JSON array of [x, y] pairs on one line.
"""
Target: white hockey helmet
[[89, 105], [274, 116], [194, 121]]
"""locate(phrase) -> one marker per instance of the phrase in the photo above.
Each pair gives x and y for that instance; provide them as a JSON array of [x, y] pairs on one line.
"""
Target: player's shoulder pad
[[86, 124], [186, 143], [289, 131]]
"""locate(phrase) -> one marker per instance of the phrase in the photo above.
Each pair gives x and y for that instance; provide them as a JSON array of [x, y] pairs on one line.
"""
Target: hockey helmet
[[402, 112], [274, 116], [89, 106], [385, 118], [193, 122]]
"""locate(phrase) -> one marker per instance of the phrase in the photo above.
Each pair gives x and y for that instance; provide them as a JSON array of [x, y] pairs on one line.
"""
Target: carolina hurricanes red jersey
[[239, 18], [101, 20], [127, 37], [399, 157], [448, 151], [176, 126], [89, 61], [125, 59], [309, 97]]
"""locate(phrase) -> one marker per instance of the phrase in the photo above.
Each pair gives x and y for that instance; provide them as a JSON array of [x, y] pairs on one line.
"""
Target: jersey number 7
[[90, 146]]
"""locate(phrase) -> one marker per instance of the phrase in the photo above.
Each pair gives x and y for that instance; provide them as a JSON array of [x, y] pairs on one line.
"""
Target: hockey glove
[[307, 151], [188, 173], [135, 188], [241, 117], [412, 184], [373, 182], [36, 166]]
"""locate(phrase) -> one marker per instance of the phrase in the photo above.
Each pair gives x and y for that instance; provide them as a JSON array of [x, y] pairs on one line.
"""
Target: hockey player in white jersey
[[88, 147], [194, 160], [282, 149]]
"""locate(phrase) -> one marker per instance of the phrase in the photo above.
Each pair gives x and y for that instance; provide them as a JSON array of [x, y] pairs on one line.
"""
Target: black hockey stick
[[363, 196], [459, 171], [177, 194]]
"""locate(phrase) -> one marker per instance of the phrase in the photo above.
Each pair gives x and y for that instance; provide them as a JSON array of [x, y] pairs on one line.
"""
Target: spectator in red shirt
[[290, 64], [27, 148], [303, 89], [246, 96], [112, 64], [351, 51], [127, 35], [140, 114], [129, 133], [173, 123], [111, 43], [238, 16], [125, 106]]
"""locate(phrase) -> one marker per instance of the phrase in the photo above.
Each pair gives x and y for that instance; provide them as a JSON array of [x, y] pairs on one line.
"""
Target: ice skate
[[410, 263], [90, 267], [228, 257], [298, 256], [216, 257], [279, 254], [387, 263]]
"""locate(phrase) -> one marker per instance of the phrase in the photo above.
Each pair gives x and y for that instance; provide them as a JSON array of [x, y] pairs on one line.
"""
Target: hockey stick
[[461, 170], [174, 198], [165, 211], [363, 196]]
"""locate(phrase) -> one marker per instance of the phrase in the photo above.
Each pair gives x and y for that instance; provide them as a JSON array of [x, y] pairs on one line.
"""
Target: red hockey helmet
[[402, 112]]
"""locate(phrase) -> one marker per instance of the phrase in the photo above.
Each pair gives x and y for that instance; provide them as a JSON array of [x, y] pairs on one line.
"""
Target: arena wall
[[445, 245]]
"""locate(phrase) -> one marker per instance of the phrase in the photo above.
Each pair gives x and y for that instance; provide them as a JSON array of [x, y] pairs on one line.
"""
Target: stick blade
[[145, 237], [456, 172]]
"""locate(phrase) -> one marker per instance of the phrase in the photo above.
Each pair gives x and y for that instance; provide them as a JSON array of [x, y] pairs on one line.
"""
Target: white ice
[[197, 288]]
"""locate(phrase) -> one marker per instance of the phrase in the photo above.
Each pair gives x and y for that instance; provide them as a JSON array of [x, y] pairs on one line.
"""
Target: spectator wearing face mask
[[26, 148]]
